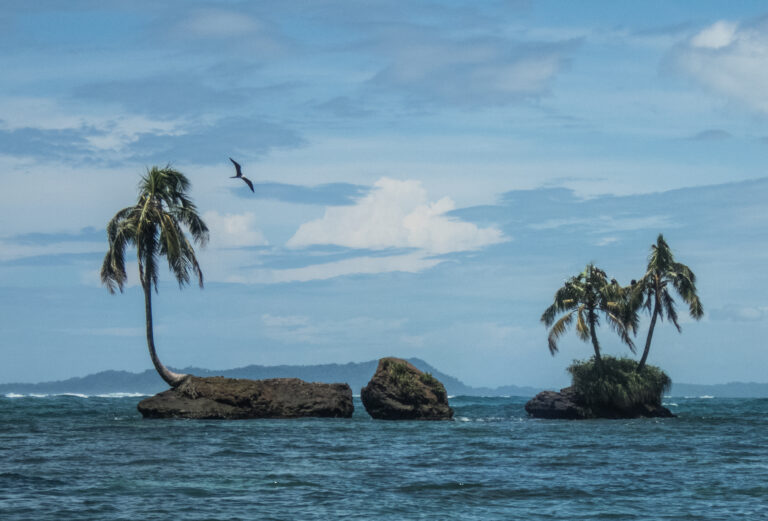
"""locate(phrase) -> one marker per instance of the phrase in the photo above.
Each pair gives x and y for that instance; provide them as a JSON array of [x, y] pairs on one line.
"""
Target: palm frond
[[560, 327], [619, 326], [582, 329], [668, 305]]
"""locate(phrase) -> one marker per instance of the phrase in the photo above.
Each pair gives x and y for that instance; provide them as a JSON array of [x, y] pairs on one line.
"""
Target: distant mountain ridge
[[356, 374]]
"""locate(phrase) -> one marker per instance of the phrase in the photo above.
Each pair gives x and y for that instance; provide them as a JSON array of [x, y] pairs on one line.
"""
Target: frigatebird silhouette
[[240, 174]]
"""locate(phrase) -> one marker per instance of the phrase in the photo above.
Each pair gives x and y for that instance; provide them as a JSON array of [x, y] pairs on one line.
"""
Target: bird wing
[[248, 182], [237, 167]]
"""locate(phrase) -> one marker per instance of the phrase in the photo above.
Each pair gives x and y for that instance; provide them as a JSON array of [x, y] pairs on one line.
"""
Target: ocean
[[74, 457]]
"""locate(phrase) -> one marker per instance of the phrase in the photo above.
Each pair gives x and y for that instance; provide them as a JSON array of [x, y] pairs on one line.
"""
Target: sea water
[[94, 458]]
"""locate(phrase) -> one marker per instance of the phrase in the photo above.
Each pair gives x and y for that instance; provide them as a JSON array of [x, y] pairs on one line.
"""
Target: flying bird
[[240, 174]]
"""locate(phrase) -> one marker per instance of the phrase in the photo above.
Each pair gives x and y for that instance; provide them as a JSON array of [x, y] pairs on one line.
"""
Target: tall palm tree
[[585, 297], [663, 274], [155, 227]]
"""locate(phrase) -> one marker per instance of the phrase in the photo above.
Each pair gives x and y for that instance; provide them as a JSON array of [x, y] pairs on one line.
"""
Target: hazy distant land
[[355, 374]]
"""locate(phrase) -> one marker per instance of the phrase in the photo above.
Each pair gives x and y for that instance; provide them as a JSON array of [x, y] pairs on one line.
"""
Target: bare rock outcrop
[[236, 398], [399, 391]]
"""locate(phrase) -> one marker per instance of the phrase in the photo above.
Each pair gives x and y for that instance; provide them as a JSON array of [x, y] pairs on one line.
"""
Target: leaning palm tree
[[584, 298], [155, 227], [653, 290]]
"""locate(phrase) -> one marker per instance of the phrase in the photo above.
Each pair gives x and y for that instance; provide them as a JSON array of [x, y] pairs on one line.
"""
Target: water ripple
[[66, 457]]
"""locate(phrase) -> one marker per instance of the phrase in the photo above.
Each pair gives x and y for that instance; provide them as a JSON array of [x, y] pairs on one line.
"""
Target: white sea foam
[[121, 395], [463, 419], [76, 395], [706, 397], [670, 404]]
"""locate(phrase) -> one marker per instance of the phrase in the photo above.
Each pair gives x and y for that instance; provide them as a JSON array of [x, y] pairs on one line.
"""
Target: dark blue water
[[75, 458]]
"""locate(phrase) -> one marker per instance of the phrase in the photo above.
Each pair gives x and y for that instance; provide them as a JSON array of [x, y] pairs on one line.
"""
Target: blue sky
[[427, 175]]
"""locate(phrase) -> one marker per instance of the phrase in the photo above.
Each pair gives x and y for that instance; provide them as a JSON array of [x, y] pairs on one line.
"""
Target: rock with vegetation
[[399, 391], [610, 388], [235, 398]]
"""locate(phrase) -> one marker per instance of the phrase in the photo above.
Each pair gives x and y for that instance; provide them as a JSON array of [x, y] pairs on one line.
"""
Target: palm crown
[[154, 226], [583, 298]]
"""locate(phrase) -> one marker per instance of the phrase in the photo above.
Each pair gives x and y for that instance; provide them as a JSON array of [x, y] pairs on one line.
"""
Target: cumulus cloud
[[233, 230], [729, 59], [395, 214]]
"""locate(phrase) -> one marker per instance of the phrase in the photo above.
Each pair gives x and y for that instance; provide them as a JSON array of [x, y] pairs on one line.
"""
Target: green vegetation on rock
[[616, 382], [402, 378], [433, 383], [407, 381]]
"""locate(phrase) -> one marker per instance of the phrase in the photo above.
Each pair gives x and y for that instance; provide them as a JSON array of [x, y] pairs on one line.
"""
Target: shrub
[[434, 384], [615, 382], [402, 378], [407, 383]]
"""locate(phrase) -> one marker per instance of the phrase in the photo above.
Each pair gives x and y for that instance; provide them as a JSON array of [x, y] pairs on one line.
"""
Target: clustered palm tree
[[585, 297], [155, 226], [664, 274], [590, 294]]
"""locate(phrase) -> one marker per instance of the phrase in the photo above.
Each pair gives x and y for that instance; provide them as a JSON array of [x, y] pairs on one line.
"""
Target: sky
[[427, 174]]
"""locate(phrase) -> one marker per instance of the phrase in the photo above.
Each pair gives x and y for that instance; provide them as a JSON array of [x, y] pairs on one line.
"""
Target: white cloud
[[395, 214], [10, 250], [215, 23], [296, 329], [608, 224], [104, 129], [233, 230], [479, 71], [730, 60], [408, 263], [737, 313], [107, 331], [605, 241], [219, 26], [718, 35]]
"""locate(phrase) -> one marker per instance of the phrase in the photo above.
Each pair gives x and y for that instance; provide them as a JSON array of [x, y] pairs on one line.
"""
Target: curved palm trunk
[[649, 337], [171, 378]]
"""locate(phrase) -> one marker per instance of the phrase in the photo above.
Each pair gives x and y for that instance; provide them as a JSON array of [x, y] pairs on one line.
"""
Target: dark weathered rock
[[399, 391], [569, 405], [553, 405], [235, 398]]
